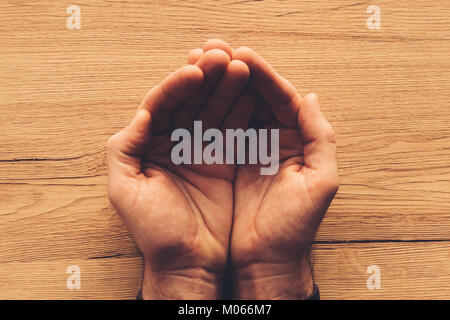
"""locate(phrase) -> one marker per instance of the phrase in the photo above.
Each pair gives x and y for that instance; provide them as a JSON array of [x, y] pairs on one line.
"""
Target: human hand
[[180, 216], [276, 216]]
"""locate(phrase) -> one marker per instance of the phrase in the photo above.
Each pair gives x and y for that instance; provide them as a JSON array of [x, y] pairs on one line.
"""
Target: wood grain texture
[[64, 92]]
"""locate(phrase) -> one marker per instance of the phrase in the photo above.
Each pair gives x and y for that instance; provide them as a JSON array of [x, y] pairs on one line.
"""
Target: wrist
[[288, 281], [191, 283]]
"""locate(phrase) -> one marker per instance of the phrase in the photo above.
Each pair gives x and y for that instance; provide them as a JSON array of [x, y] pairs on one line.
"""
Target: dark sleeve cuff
[[315, 295]]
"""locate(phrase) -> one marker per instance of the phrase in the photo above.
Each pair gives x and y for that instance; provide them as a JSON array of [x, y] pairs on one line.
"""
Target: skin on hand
[[276, 217], [180, 216]]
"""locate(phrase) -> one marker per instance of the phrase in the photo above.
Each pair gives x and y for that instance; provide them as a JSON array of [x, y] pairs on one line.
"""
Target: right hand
[[276, 216]]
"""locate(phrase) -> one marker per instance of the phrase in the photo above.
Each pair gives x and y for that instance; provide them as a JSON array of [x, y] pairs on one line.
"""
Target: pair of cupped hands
[[194, 222]]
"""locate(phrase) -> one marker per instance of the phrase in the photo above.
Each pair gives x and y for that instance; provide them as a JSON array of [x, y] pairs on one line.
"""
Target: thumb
[[319, 145], [124, 150], [126, 147]]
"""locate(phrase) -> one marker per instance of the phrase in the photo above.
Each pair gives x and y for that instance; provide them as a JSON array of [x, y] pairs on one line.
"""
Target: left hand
[[180, 216]]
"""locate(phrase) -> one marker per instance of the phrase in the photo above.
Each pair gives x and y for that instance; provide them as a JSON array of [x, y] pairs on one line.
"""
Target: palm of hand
[[276, 217], [189, 208], [273, 212], [181, 215]]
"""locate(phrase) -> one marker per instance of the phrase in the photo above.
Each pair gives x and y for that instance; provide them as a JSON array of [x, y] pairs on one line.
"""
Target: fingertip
[[213, 62], [194, 55], [192, 71], [141, 121], [311, 101], [312, 123], [312, 98], [244, 54], [218, 44], [240, 67], [238, 70], [142, 116], [217, 55], [193, 79]]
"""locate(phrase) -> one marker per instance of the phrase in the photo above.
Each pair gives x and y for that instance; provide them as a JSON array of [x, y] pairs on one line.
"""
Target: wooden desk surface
[[64, 92]]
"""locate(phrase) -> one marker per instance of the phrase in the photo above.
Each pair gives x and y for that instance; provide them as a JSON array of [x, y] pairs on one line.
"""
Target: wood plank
[[115, 278], [391, 170], [77, 216], [56, 220], [80, 87], [408, 271]]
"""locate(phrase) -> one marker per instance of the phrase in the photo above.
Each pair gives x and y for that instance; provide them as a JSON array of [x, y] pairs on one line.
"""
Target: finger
[[125, 147], [318, 137], [213, 63], [194, 55], [223, 96], [263, 113], [163, 99], [218, 44], [124, 150], [239, 118], [241, 112], [278, 92]]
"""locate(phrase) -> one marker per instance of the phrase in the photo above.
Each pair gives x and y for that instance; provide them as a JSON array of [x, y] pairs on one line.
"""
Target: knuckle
[[334, 184], [111, 143], [327, 183], [243, 53], [330, 134], [115, 193], [112, 197]]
